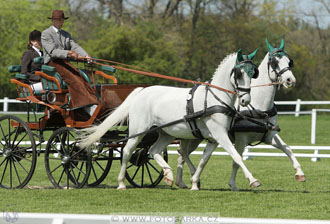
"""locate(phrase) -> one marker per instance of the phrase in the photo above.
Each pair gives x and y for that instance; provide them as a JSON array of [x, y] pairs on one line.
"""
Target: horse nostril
[[289, 80]]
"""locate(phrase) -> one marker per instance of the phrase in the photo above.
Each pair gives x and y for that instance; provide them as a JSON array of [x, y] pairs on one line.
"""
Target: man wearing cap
[[58, 46]]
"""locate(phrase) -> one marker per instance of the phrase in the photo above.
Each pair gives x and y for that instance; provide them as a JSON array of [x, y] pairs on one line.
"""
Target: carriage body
[[66, 164]]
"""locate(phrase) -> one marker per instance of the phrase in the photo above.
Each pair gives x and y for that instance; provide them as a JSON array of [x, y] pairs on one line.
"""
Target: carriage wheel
[[66, 164], [142, 169], [17, 152], [101, 164]]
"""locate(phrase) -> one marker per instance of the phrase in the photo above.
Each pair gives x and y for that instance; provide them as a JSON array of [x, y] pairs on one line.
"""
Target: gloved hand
[[72, 54]]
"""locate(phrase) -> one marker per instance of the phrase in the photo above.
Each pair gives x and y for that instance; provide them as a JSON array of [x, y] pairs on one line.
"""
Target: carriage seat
[[18, 75], [48, 84], [49, 70], [23, 78]]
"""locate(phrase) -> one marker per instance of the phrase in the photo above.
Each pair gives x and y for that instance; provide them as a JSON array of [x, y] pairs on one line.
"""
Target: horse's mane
[[222, 62]]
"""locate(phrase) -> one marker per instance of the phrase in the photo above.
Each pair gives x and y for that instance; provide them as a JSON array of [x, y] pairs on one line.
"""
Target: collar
[[37, 50], [55, 29]]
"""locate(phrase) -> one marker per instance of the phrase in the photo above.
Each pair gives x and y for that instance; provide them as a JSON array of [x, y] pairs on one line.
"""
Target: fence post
[[298, 107], [5, 104], [58, 221], [313, 135], [246, 151]]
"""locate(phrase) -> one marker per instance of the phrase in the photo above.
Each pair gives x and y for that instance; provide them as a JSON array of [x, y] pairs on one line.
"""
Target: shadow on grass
[[257, 191]]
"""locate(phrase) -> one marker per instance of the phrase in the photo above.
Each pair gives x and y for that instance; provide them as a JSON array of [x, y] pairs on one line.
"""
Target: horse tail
[[94, 133]]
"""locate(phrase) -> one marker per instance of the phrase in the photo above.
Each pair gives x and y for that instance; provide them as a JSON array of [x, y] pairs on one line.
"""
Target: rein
[[156, 75], [268, 84]]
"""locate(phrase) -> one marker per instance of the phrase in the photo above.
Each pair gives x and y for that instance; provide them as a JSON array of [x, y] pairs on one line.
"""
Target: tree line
[[182, 38]]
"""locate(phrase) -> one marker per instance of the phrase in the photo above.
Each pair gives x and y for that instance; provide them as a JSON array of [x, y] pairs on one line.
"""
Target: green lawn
[[280, 196]]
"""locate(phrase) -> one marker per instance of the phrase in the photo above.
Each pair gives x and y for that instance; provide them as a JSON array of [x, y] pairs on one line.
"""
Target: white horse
[[275, 68], [159, 105]]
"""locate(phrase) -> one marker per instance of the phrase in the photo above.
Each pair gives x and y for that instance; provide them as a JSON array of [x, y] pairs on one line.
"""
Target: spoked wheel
[[17, 152], [142, 169], [67, 165], [101, 164]]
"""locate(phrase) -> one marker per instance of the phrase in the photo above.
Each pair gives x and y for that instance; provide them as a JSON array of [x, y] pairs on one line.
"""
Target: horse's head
[[280, 66], [242, 74]]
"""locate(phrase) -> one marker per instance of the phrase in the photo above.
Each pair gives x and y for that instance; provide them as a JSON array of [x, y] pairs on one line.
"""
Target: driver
[[59, 46]]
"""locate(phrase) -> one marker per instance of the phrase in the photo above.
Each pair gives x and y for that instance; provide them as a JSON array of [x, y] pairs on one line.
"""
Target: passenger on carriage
[[28, 66], [58, 46]]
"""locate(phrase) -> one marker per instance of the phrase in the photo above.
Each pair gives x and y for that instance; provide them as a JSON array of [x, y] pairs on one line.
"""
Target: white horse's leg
[[127, 153], [210, 147], [155, 150], [277, 142], [178, 180], [239, 145], [228, 146], [186, 147]]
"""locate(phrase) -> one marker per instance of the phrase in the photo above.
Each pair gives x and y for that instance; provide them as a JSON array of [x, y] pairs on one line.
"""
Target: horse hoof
[[233, 188], [169, 182], [121, 188], [181, 185], [255, 184], [300, 178]]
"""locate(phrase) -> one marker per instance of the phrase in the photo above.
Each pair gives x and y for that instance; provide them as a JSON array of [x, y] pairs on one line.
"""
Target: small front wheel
[[142, 170], [102, 157], [67, 165]]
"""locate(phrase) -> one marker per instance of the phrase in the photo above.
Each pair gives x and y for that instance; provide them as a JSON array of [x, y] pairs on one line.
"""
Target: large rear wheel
[[67, 165], [17, 152]]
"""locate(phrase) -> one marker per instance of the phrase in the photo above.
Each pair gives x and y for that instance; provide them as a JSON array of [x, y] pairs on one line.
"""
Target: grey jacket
[[54, 47]]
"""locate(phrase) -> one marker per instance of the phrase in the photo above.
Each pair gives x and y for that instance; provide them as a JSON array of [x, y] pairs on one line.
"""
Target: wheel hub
[[8, 153], [139, 157], [66, 159]]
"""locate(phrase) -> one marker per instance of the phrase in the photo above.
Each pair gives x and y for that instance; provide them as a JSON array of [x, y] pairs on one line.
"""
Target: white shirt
[[37, 50], [56, 30]]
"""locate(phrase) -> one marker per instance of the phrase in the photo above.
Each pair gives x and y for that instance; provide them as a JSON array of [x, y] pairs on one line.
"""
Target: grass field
[[280, 196]]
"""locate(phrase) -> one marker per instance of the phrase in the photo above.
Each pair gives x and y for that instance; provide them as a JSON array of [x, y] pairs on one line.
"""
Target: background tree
[[183, 38]]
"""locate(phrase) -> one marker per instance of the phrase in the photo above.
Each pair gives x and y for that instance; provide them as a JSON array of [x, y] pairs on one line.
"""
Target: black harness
[[191, 116]]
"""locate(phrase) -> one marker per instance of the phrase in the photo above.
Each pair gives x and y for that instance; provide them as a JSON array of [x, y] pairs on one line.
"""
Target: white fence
[[247, 154], [314, 154], [298, 103]]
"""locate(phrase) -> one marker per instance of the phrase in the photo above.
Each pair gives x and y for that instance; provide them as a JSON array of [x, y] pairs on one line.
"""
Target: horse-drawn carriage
[[157, 115], [50, 119]]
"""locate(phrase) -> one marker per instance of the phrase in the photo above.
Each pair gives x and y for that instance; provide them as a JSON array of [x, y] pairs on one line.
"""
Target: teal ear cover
[[239, 56], [253, 54], [282, 44]]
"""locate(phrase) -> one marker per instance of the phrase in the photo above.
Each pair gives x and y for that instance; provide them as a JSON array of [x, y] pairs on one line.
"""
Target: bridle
[[273, 63], [252, 71]]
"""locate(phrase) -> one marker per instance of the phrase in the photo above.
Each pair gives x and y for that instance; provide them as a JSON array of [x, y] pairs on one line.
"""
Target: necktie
[[60, 36]]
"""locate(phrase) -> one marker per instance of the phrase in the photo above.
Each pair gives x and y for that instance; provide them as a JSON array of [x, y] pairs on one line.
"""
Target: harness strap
[[254, 113], [190, 110]]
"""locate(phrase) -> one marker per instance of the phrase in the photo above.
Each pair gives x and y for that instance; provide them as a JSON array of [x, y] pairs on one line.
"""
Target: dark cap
[[58, 14], [35, 35]]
